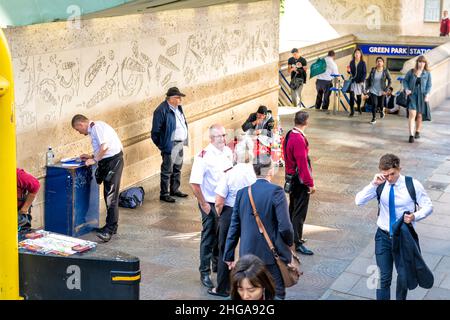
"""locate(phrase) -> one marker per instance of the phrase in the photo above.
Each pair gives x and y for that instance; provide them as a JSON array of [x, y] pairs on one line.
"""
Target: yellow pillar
[[9, 260]]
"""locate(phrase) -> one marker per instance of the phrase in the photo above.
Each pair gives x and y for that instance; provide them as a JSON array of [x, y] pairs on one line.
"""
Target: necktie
[[392, 217]]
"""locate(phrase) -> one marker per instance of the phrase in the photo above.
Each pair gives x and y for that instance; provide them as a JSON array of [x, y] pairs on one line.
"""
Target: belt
[[178, 141], [385, 232], [107, 160]]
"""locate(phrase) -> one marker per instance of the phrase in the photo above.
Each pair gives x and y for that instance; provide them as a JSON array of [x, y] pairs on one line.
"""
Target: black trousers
[[323, 91], [280, 289], [223, 274], [171, 169], [352, 102], [209, 251], [111, 189], [298, 208], [377, 104]]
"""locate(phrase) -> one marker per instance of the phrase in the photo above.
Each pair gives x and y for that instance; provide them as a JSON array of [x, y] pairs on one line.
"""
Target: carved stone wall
[[118, 69]]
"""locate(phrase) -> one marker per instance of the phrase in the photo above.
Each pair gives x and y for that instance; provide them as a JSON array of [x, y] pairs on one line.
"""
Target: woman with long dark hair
[[417, 84], [358, 71], [250, 280], [377, 84]]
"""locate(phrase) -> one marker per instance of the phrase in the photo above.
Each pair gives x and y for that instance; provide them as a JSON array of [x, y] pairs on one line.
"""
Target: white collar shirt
[[240, 176], [102, 133], [332, 68], [181, 132], [403, 201], [209, 168]]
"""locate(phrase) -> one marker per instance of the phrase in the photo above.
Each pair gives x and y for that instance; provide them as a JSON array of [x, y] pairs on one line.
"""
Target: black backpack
[[131, 198], [409, 186]]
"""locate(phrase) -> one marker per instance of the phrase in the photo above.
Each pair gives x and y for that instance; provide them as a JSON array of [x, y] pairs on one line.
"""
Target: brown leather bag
[[290, 272]]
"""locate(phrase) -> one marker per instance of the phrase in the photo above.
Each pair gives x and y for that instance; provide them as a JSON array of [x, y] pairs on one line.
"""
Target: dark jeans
[[323, 91], [223, 274], [385, 261], [280, 289], [352, 102], [111, 194], [298, 208], [377, 104], [208, 243], [171, 169]]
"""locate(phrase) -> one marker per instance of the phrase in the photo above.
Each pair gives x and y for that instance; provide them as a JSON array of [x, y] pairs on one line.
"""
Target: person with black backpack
[[377, 84], [399, 197]]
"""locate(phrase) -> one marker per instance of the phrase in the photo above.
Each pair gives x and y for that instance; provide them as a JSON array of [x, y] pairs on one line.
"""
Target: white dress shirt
[[103, 133], [332, 68], [403, 201], [209, 168], [242, 175], [181, 132]]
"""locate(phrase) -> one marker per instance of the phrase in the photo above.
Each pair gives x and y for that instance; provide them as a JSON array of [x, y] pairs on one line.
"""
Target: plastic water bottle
[[50, 156]]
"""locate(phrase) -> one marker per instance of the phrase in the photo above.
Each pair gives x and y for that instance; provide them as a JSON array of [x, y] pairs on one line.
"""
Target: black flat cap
[[174, 91]]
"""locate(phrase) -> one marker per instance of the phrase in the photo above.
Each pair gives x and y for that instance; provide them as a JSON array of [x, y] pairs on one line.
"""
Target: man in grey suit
[[272, 207]]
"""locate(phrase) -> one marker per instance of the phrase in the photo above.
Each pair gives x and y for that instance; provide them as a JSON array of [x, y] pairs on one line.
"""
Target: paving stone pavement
[[345, 153]]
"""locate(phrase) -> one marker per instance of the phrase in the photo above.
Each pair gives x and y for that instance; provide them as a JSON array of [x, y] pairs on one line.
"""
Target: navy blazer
[[163, 127], [411, 267], [272, 207]]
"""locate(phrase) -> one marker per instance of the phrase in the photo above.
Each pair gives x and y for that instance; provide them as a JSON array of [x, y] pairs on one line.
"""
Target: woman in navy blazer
[[417, 84]]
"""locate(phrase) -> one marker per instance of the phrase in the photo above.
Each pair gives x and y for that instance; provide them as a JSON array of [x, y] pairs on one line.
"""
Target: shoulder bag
[[289, 272]]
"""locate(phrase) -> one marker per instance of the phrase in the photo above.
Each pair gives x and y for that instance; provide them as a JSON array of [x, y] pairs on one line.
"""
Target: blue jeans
[[385, 262]]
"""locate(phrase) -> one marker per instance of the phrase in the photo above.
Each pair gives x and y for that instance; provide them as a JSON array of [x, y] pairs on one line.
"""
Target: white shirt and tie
[[402, 199], [102, 133]]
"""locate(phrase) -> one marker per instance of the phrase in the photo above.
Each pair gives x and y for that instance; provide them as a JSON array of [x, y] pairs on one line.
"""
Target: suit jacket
[[411, 267], [272, 208]]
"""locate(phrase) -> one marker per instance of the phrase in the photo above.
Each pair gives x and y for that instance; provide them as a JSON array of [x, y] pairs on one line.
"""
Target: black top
[[358, 72], [417, 81], [300, 72]]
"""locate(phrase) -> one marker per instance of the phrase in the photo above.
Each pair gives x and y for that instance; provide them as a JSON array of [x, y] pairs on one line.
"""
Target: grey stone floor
[[345, 153]]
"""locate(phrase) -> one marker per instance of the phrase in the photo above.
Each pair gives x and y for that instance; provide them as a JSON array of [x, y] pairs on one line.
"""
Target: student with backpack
[[399, 197], [377, 84]]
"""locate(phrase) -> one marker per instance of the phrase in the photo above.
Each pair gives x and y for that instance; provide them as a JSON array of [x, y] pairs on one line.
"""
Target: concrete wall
[[225, 58], [439, 64]]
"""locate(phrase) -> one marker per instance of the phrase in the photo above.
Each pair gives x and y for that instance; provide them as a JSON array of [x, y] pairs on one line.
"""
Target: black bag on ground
[[131, 198]]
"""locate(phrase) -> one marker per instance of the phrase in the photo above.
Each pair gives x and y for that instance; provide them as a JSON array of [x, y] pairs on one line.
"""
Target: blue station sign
[[391, 50]]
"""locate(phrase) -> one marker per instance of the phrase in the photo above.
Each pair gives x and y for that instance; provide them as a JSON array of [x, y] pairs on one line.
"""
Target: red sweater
[[26, 183], [445, 26], [296, 156]]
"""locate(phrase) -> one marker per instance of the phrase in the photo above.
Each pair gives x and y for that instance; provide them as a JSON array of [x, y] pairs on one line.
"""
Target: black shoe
[[206, 281], [382, 114], [303, 250], [373, 121], [215, 293], [167, 198], [105, 229], [359, 110], [411, 139], [179, 194], [351, 114], [105, 236], [417, 135]]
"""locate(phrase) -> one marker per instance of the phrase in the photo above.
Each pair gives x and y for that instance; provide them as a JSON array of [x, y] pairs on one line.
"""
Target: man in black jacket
[[261, 122], [170, 133]]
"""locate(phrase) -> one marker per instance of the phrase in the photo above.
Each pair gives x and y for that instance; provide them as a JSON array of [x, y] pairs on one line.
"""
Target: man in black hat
[[297, 68], [261, 122], [170, 133]]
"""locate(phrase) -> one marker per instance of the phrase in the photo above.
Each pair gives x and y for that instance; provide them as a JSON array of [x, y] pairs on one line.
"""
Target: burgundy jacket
[[445, 26], [296, 157]]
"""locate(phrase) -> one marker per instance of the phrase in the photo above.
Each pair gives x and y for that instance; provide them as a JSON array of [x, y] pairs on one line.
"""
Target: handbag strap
[[261, 227]]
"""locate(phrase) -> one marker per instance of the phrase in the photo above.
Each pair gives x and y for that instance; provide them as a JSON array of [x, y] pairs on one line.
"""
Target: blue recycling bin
[[71, 200]]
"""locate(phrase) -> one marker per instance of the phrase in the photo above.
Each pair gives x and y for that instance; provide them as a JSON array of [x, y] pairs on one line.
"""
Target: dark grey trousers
[[171, 169]]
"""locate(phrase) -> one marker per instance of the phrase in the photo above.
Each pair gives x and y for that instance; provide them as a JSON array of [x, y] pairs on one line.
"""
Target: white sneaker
[[373, 121]]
